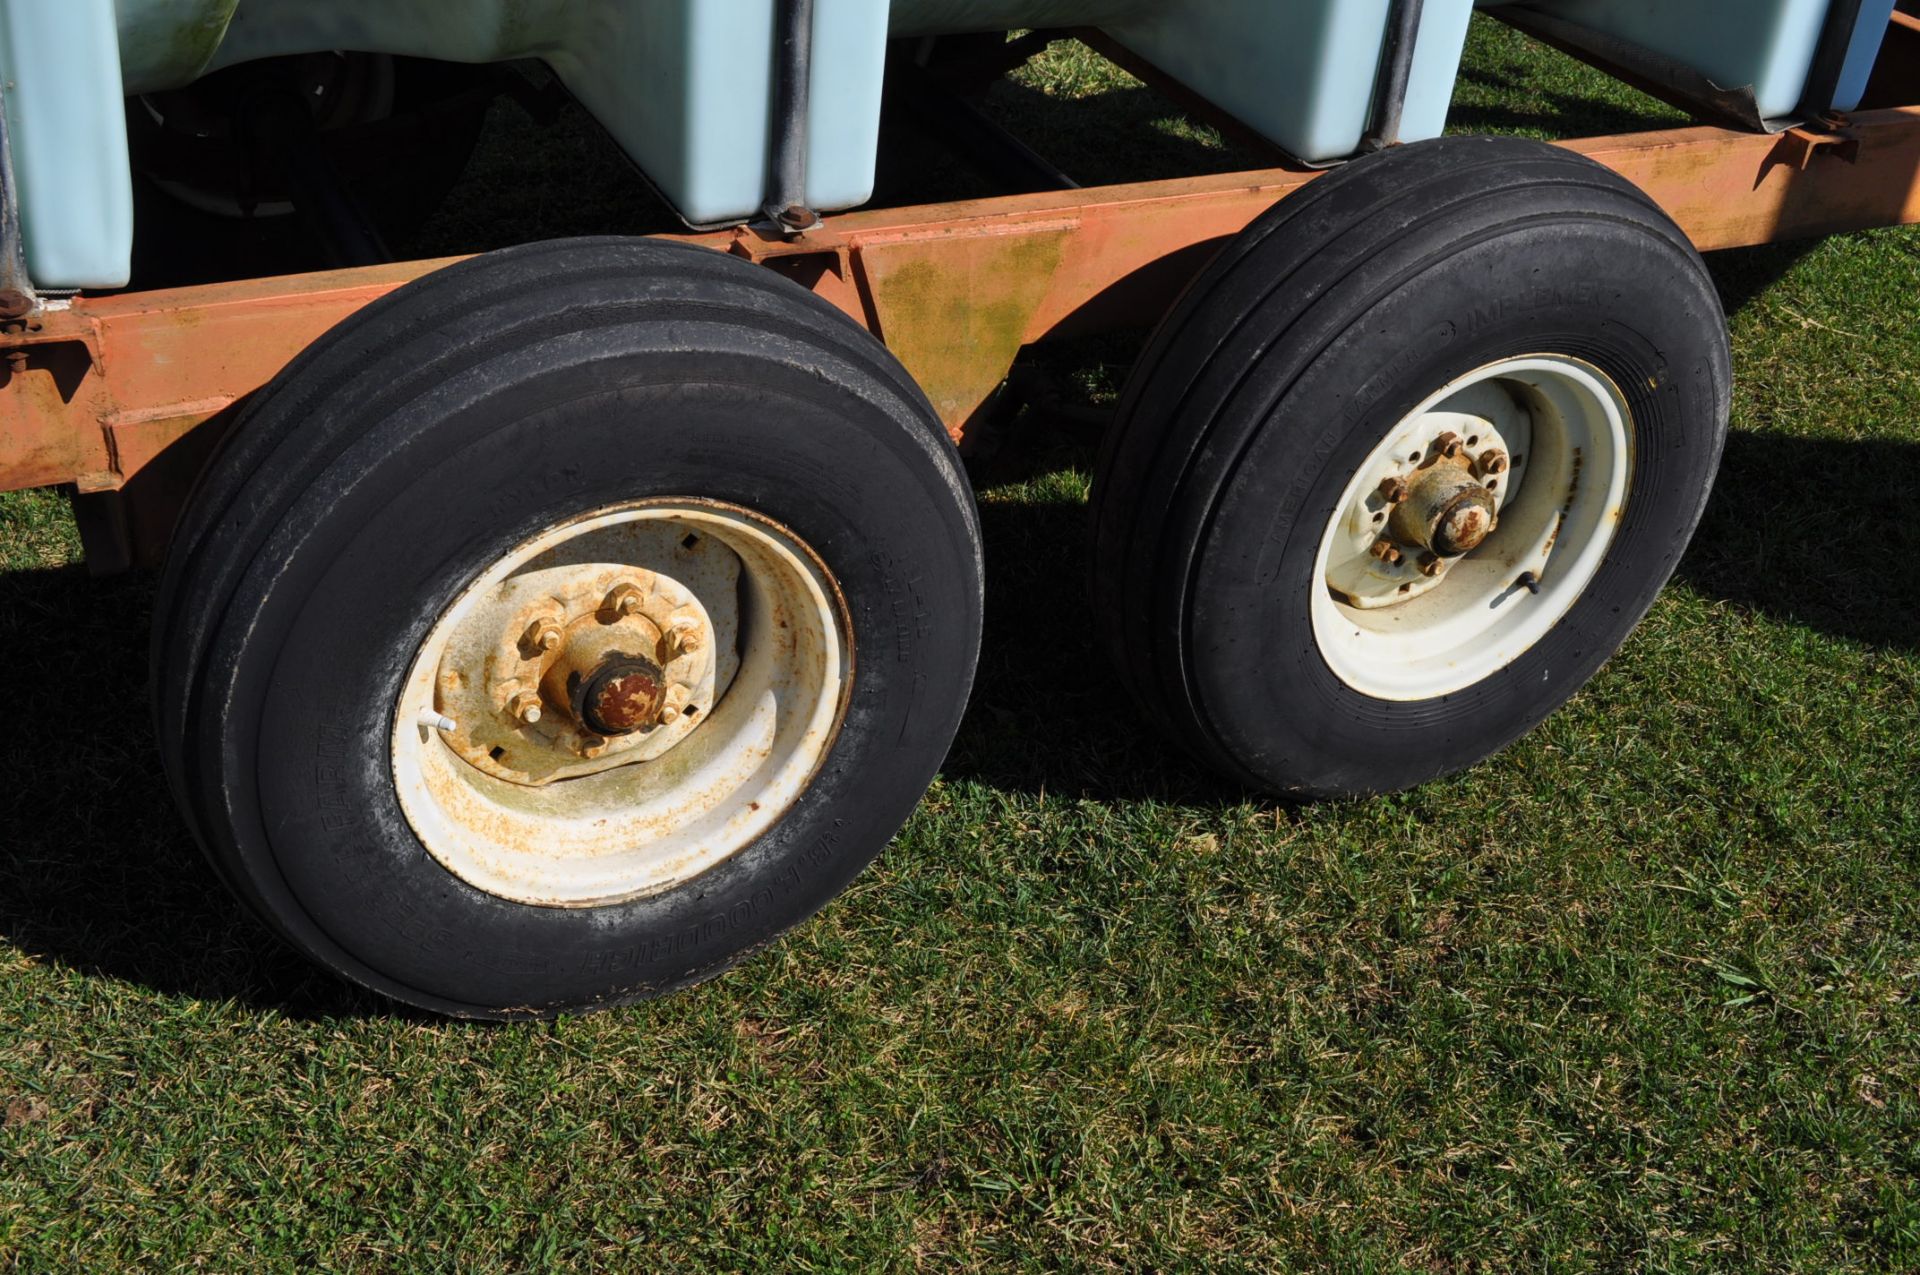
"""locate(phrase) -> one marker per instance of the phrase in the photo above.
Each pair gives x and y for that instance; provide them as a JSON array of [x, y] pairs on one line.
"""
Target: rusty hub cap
[[1472, 527], [624, 696], [622, 703], [1446, 510]]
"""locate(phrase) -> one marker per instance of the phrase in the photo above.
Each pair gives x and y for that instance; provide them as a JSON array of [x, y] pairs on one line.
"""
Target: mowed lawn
[[1639, 994]]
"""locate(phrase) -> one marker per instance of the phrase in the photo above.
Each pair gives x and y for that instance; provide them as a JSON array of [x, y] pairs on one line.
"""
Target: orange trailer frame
[[122, 396]]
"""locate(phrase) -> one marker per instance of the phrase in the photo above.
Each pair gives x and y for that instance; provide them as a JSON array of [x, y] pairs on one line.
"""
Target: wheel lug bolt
[[592, 746], [1432, 564], [1493, 463], [1448, 444], [624, 599], [675, 703], [676, 642], [682, 640], [525, 706], [1385, 550], [1393, 489], [543, 634]]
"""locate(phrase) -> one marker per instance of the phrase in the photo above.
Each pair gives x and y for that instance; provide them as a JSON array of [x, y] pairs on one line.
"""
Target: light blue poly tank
[[1300, 72], [60, 87], [686, 86], [1766, 47]]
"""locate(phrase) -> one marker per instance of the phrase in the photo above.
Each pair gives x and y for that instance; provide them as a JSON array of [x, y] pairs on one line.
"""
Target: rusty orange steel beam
[[95, 392]]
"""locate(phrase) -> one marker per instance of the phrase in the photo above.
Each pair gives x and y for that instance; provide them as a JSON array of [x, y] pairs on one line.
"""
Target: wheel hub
[[1435, 495], [1446, 511], [569, 670]]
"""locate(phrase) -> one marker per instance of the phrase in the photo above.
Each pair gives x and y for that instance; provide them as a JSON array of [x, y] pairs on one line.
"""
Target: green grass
[[1638, 994]]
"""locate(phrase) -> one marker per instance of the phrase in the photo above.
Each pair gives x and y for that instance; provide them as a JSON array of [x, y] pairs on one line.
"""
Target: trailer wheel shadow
[[1801, 531], [98, 873]]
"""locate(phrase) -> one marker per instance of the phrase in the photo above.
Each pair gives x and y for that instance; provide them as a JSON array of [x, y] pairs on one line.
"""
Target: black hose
[[792, 96], [1396, 73], [16, 290]]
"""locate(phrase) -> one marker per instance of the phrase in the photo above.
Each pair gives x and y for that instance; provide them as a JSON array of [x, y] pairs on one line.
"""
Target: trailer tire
[[744, 464], [1264, 605]]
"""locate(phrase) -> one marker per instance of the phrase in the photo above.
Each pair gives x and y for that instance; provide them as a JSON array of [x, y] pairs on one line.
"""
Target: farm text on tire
[[565, 626], [1407, 464]]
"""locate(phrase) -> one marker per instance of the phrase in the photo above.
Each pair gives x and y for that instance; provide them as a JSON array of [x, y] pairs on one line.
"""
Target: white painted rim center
[[1394, 632]]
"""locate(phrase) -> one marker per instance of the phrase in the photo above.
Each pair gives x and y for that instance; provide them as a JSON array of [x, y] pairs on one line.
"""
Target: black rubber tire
[[426, 436], [1287, 362]]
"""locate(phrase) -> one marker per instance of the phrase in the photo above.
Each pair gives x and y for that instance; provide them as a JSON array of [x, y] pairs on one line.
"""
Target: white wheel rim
[[528, 799], [1393, 632]]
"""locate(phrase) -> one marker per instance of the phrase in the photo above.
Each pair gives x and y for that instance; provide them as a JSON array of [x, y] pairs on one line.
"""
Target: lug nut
[[676, 642], [1493, 463], [1387, 551], [1448, 444], [525, 707], [624, 599], [543, 634], [1432, 564], [675, 703], [592, 746], [1393, 489]]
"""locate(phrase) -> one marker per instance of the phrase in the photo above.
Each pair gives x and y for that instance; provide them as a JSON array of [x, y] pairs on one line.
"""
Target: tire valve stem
[[434, 719], [1529, 581]]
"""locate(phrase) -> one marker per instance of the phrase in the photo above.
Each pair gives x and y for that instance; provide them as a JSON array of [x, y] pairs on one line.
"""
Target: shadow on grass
[[1805, 532], [98, 873], [1560, 115], [1745, 274], [1813, 532]]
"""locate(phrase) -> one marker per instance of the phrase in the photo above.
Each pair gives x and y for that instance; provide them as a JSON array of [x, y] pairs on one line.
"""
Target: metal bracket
[[956, 310], [1830, 135]]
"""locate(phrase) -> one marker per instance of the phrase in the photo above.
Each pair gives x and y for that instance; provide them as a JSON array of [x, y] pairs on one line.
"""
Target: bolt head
[[625, 599], [1387, 551], [543, 634], [1448, 444], [1493, 463], [673, 705], [1432, 564], [592, 746], [678, 642], [1393, 489], [526, 707]]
